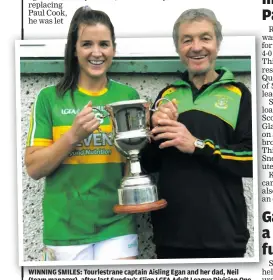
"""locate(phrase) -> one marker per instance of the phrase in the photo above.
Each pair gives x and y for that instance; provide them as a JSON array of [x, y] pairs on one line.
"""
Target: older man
[[202, 147]]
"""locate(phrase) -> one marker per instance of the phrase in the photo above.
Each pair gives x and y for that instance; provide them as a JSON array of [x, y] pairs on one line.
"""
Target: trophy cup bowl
[[137, 192]]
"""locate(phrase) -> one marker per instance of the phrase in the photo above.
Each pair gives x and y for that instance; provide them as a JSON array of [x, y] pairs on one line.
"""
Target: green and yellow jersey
[[80, 194]]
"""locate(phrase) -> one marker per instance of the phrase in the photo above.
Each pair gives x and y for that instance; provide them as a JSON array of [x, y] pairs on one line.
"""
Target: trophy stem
[[135, 167]]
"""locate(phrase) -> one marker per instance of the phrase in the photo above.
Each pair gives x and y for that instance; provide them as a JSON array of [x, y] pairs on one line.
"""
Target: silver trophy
[[137, 192]]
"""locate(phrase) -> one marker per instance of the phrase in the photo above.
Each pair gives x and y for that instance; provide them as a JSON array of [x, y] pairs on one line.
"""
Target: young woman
[[72, 148]]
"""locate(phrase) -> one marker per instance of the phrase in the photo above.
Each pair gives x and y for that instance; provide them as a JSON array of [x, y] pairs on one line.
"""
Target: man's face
[[197, 46]]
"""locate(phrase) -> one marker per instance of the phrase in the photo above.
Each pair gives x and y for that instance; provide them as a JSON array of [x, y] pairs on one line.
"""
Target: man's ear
[[176, 48]]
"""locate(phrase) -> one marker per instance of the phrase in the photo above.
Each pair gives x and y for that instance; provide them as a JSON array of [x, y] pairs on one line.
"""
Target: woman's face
[[94, 50]]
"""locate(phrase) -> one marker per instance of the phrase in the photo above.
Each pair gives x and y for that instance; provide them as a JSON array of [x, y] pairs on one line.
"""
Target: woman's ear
[[115, 47]]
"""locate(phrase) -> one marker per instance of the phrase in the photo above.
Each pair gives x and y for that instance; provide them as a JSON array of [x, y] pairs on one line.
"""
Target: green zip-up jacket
[[206, 205]]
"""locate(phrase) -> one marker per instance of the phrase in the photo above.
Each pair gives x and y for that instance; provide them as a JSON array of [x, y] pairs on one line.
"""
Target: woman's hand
[[84, 124]]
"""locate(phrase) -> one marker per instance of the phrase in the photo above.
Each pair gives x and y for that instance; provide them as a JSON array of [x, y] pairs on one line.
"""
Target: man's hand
[[84, 124], [176, 135], [166, 111]]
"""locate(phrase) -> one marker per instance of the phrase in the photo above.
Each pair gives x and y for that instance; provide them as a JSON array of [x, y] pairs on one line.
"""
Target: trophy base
[[140, 208]]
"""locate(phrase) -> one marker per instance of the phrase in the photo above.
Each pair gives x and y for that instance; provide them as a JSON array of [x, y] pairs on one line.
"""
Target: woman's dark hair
[[83, 15]]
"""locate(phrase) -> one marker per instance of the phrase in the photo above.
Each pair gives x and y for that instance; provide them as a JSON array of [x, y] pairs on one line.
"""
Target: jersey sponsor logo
[[102, 140], [87, 152], [98, 147], [97, 139], [94, 156]]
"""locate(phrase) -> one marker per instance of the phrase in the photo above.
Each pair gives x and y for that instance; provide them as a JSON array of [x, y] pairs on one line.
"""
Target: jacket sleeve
[[150, 158], [150, 155], [235, 157]]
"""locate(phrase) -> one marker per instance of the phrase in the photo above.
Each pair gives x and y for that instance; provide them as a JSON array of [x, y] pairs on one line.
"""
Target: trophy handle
[[150, 109], [110, 111], [157, 103], [102, 116]]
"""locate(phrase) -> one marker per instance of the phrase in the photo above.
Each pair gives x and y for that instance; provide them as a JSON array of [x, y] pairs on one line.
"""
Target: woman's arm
[[41, 161]]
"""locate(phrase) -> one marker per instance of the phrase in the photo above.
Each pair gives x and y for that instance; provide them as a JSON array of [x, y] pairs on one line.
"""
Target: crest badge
[[222, 102]]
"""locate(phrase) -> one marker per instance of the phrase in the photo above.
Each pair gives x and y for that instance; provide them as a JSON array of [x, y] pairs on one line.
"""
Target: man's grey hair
[[197, 15]]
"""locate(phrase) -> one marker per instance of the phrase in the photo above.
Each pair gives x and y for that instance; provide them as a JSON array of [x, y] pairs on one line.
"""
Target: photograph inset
[[192, 150]]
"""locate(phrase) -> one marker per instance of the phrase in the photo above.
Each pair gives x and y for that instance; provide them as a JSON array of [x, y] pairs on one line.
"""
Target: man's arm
[[235, 157]]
